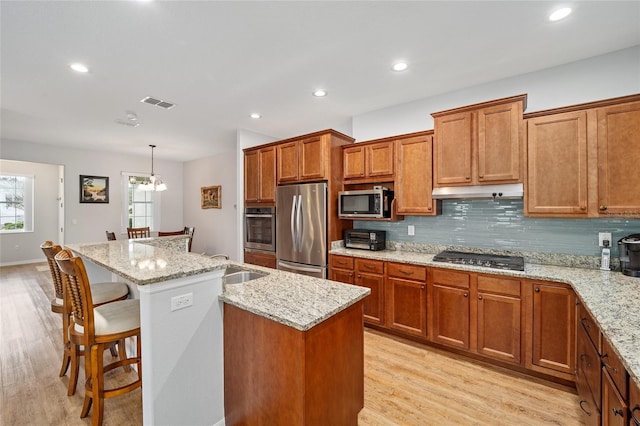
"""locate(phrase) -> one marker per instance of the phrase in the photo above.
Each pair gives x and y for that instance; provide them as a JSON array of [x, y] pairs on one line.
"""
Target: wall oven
[[260, 228]]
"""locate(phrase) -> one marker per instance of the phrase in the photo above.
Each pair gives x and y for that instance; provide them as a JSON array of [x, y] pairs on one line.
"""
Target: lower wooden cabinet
[[370, 273], [634, 404], [615, 411], [259, 258], [450, 311], [406, 298], [552, 328], [341, 269]]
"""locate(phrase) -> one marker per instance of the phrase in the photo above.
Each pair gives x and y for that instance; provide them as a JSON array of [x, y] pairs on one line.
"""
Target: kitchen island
[[181, 307]]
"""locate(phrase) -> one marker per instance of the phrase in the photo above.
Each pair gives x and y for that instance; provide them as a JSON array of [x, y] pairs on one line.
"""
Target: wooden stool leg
[[66, 357], [75, 368], [97, 383], [88, 394], [122, 350]]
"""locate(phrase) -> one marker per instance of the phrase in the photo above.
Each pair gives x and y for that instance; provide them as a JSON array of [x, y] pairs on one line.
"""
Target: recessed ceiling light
[[320, 93], [400, 66], [255, 115], [78, 67], [560, 14]]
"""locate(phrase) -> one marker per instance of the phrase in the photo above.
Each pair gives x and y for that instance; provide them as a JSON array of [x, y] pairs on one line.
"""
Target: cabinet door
[[287, 162], [414, 177], [252, 176], [342, 275], [407, 306], [499, 327], [618, 159], [374, 303], [450, 316], [353, 162], [499, 143], [312, 159], [634, 404], [452, 149], [267, 188], [380, 159], [557, 165], [588, 364], [554, 328], [615, 411]]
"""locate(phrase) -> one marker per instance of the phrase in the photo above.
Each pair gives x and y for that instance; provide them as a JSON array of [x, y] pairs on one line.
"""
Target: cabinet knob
[[603, 208], [609, 366], [480, 176], [421, 287], [359, 276], [537, 290], [618, 412], [467, 178], [466, 295], [583, 208], [479, 297]]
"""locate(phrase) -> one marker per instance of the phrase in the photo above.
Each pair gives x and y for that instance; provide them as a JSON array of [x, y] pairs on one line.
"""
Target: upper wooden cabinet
[[366, 160], [479, 144], [260, 176], [414, 177], [557, 165], [582, 160]]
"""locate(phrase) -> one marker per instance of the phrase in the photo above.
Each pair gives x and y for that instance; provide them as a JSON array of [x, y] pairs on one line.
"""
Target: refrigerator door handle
[[299, 225], [292, 222]]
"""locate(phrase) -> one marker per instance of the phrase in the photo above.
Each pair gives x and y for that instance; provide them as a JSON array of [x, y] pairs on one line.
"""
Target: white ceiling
[[221, 61]]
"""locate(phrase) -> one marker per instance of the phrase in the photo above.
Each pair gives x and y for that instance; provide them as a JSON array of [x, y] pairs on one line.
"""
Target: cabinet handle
[[406, 272], [582, 357], [635, 419], [369, 266], [479, 297], [618, 412], [585, 323], [609, 366], [582, 401], [537, 290], [603, 208], [466, 295]]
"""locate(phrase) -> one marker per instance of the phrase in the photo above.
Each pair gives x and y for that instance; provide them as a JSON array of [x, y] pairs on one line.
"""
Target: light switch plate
[[411, 230], [604, 236]]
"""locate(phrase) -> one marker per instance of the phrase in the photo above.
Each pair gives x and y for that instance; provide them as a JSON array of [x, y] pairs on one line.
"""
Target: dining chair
[[111, 236], [98, 327], [104, 292], [139, 232], [167, 233]]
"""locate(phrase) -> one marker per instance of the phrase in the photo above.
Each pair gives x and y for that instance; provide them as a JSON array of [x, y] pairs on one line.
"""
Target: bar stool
[[111, 236], [139, 232], [98, 327], [102, 293]]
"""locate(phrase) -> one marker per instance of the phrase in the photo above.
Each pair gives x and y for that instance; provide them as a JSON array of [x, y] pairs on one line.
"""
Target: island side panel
[[334, 369], [263, 382]]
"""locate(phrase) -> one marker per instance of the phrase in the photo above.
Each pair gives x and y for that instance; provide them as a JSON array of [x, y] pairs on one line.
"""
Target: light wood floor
[[405, 382]]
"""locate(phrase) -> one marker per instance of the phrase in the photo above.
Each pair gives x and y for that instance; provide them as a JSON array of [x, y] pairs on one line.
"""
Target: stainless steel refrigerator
[[301, 228]]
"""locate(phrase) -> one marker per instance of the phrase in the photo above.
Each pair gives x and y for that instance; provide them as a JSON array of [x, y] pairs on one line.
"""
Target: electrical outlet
[[411, 230], [181, 302], [604, 236]]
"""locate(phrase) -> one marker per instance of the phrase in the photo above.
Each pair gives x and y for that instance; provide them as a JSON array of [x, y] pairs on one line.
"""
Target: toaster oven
[[365, 239]]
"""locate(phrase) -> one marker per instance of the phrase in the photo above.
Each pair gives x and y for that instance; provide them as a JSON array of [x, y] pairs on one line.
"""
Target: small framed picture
[[211, 197], [94, 189]]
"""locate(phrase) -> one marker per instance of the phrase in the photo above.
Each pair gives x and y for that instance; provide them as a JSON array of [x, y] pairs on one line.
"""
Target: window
[[16, 203], [141, 208]]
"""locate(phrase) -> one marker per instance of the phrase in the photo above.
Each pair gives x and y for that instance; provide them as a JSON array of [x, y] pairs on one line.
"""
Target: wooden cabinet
[[414, 175], [557, 165], [365, 160], [303, 160], [406, 298], [341, 269], [634, 403], [618, 159], [499, 318], [260, 176], [370, 273], [588, 365], [615, 410], [450, 308], [479, 144], [552, 327], [268, 260]]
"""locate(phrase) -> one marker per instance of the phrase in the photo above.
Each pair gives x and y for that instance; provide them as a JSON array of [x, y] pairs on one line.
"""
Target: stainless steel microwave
[[368, 203]]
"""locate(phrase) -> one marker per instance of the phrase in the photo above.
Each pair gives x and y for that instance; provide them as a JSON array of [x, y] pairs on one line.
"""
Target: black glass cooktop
[[514, 263]]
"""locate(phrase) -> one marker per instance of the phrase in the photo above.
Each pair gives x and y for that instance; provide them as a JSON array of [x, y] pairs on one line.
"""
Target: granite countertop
[[294, 300], [148, 260], [613, 299]]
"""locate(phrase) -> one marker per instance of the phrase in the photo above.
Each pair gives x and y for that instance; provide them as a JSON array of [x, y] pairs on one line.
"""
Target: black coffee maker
[[629, 252]]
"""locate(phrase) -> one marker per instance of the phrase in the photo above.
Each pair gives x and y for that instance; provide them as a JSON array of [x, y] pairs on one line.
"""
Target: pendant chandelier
[[152, 183]]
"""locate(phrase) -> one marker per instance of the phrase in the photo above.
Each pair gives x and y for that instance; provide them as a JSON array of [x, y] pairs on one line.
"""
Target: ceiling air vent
[[157, 102]]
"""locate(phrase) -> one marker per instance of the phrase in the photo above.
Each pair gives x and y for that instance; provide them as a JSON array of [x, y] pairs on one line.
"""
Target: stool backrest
[[111, 236], [139, 232], [76, 282], [50, 249]]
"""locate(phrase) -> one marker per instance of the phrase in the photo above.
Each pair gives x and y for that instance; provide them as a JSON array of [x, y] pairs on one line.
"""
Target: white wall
[[215, 228], [88, 222], [23, 247], [601, 77]]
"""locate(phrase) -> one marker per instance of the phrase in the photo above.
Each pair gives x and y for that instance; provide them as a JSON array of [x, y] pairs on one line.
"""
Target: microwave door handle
[[292, 223], [299, 224], [258, 215]]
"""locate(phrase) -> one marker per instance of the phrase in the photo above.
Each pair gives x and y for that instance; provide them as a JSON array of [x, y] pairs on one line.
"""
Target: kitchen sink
[[237, 275]]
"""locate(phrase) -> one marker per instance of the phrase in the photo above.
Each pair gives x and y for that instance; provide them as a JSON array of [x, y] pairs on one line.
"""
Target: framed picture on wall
[[94, 189], [211, 197]]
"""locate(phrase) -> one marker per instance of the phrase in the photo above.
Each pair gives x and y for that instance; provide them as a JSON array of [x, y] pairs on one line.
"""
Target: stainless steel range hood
[[498, 192]]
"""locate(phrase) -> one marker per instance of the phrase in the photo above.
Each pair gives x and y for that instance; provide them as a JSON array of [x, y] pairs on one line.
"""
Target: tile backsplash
[[501, 225]]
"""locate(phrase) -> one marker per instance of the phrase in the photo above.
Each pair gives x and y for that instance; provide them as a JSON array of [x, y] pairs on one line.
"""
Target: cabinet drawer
[[407, 272], [588, 406], [342, 262], [590, 326], [370, 266], [589, 365], [612, 364], [454, 279], [499, 286]]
